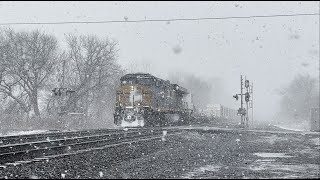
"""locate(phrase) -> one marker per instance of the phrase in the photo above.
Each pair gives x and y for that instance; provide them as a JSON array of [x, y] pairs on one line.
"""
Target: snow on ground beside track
[[290, 128], [278, 155], [17, 133], [294, 169], [201, 171], [316, 141], [273, 138], [194, 136]]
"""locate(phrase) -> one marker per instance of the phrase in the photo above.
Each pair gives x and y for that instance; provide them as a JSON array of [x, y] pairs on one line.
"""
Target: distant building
[[220, 111]]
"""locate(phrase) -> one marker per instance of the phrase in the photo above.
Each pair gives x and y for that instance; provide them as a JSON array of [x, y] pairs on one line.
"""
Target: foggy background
[[271, 51]]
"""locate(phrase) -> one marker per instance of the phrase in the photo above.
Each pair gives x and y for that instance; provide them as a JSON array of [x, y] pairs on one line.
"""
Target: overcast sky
[[269, 51]]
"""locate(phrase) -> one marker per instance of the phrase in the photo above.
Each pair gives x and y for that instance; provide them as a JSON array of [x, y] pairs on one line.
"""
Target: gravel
[[188, 155]]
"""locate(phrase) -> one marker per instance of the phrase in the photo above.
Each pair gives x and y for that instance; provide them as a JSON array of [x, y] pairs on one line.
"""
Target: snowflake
[[164, 133], [100, 174], [63, 175], [34, 177]]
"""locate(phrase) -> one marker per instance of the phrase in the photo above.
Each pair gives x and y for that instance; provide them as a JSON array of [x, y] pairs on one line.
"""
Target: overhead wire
[[158, 20]]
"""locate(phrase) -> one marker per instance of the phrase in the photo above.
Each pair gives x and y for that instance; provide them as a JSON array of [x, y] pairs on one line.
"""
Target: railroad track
[[51, 135], [39, 147]]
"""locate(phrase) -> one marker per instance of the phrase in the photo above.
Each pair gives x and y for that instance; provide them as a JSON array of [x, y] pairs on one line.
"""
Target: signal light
[[236, 96], [246, 83], [247, 98]]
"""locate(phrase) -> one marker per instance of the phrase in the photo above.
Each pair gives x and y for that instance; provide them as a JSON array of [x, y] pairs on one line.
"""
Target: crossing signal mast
[[243, 112]]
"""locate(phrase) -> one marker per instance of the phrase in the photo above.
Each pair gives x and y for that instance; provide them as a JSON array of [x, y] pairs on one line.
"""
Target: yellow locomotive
[[145, 100]]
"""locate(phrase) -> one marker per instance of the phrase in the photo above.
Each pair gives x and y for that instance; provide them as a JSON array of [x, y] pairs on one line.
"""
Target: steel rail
[[95, 141]]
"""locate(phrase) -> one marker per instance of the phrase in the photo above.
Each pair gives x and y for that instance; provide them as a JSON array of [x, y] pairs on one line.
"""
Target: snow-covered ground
[[295, 128], [201, 171], [315, 141], [16, 133]]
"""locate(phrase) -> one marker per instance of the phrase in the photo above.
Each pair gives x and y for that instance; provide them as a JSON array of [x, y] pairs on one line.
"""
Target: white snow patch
[[292, 128], [12, 164], [163, 138], [296, 170], [193, 136], [34, 177], [266, 160], [164, 133], [267, 155], [201, 171], [316, 141], [17, 133], [272, 139]]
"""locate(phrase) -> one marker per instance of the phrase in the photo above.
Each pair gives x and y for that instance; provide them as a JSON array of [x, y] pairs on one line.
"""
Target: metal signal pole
[[244, 111], [242, 123], [252, 103], [247, 103]]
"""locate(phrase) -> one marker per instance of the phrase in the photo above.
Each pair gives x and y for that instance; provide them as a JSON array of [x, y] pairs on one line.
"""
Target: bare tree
[[299, 96], [91, 67], [201, 90], [27, 61]]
